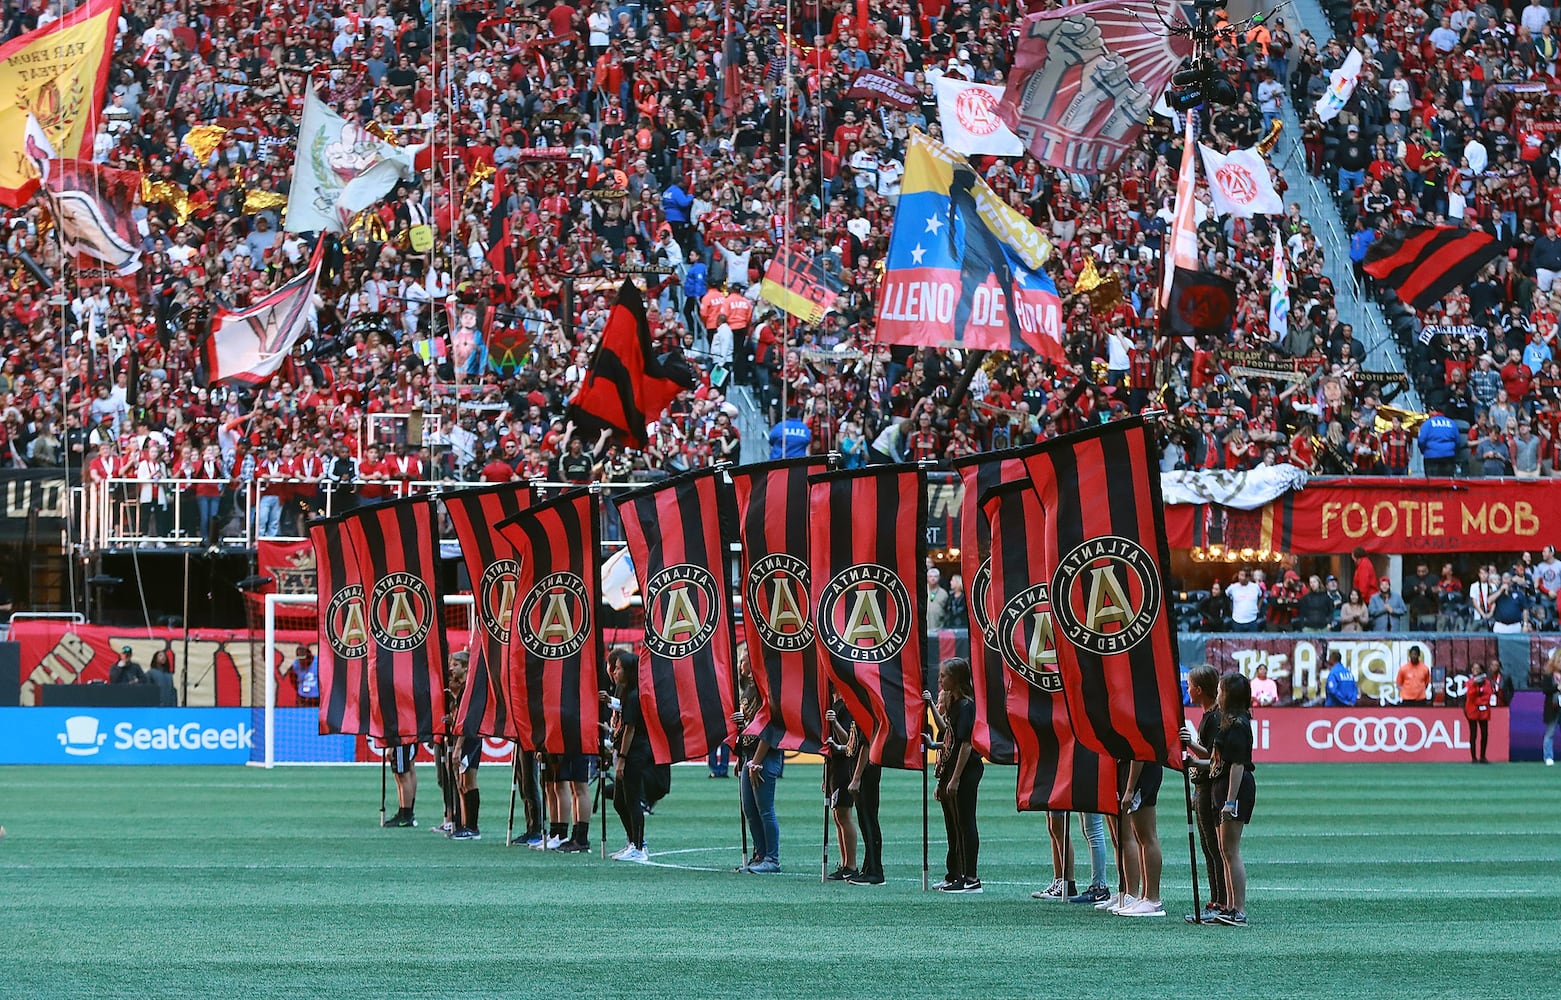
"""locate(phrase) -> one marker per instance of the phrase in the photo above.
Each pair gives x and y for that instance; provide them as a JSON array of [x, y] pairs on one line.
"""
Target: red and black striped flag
[[867, 560], [556, 660], [490, 563], [1105, 557], [1055, 772], [1422, 263], [627, 385], [991, 737], [772, 518], [398, 560], [343, 631], [684, 574]]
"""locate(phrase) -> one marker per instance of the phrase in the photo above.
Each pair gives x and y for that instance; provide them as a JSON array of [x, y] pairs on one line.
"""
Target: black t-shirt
[[1234, 743], [962, 720], [630, 713], [576, 468]]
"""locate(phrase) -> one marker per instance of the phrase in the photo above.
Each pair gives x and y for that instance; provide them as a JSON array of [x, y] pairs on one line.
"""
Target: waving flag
[[1086, 77], [964, 269], [340, 170], [1183, 252], [971, 124], [1341, 86], [1055, 772], [992, 737], [799, 285], [397, 551], [248, 346], [93, 206], [557, 662], [493, 571], [344, 630], [627, 385], [772, 517], [1105, 563], [1239, 183], [1279, 293], [690, 646], [1424, 263], [867, 538], [57, 74]]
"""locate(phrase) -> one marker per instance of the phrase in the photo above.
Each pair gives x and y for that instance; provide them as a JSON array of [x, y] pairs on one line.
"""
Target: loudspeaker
[[10, 674]]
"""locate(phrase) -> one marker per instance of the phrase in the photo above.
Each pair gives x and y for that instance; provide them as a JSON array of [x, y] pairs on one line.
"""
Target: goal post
[[458, 614]]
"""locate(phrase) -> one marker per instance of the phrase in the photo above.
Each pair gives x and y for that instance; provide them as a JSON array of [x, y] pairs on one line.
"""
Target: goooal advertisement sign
[[1368, 734], [126, 736]]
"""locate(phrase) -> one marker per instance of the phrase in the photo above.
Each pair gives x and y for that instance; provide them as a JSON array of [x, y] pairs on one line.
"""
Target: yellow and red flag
[[57, 74]]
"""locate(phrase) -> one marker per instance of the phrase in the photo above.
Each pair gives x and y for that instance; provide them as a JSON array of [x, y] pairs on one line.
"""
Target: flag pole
[[823, 874], [514, 786], [924, 848], [542, 774], [1192, 848], [384, 764], [601, 793]]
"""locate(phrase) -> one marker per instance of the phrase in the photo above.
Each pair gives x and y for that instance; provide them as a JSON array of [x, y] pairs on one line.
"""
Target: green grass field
[[1367, 881]]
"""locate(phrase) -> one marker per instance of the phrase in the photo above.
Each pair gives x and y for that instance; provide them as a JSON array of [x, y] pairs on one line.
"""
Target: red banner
[[1378, 514], [1368, 735]]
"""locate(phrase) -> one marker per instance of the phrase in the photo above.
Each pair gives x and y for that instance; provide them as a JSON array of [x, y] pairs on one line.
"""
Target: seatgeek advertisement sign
[[126, 735]]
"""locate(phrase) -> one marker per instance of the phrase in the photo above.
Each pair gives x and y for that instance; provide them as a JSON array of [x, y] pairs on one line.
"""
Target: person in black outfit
[[959, 774], [1203, 686], [1214, 610], [161, 674], [864, 789], [844, 746], [1231, 769], [634, 759], [126, 670]]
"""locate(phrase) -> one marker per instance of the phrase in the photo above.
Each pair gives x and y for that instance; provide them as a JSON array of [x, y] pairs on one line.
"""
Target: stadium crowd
[[575, 143]]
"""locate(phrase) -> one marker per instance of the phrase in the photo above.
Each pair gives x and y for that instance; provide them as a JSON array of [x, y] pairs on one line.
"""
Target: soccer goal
[[290, 735]]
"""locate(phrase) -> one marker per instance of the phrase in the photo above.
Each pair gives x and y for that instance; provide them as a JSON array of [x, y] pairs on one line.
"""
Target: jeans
[[1094, 825], [720, 760], [759, 808], [270, 515], [867, 820], [207, 509], [1550, 737], [1255, 625], [1349, 180]]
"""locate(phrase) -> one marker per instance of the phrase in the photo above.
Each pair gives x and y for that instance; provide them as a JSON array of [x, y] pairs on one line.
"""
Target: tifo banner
[[1298, 665], [1370, 735], [1086, 76], [1332, 516], [964, 268], [24, 491], [218, 662], [875, 85], [126, 735]]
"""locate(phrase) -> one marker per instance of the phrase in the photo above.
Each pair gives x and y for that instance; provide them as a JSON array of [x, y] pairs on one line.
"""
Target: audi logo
[[1386, 734]]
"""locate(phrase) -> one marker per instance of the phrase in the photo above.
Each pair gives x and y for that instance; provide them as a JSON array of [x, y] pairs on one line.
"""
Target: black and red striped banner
[[556, 659], [1055, 772], [1105, 559], [772, 518], [867, 559], [1423, 263], [991, 736], [397, 551], [491, 566], [343, 631], [690, 646]]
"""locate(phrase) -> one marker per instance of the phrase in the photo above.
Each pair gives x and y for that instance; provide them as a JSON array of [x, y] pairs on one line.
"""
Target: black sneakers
[[402, 818], [863, 878], [840, 874], [463, 833], [574, 847]]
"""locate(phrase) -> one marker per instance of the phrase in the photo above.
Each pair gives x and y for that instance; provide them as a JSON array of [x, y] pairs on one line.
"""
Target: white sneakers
[[632, 853], [1142, 908], [1120, 901], [1052, 892]]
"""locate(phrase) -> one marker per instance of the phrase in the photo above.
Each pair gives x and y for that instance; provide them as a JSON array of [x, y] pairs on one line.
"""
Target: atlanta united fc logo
[[401, 611], [680, 606], [1027, 639], [865, 614], [976, 110], [345, 627], [1107, 595], [1237, 182], [980, 590], [555, 617], [496, 597], [777, 601]]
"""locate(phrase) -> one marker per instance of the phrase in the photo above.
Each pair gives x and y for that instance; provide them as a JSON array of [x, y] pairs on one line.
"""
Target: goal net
[[286, 724]]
